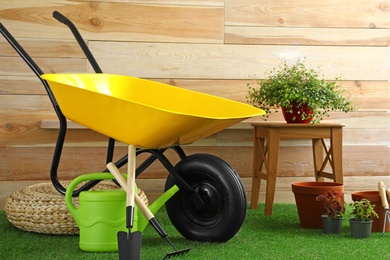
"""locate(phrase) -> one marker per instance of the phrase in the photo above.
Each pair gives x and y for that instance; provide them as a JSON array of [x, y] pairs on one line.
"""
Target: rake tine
[[387, 217], [176, 253]]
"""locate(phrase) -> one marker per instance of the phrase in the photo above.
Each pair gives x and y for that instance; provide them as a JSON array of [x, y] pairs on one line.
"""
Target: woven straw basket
[[41, 208]]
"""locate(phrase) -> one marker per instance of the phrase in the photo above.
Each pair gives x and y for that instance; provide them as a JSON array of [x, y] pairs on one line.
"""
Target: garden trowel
[[129, 243], [385, 204]]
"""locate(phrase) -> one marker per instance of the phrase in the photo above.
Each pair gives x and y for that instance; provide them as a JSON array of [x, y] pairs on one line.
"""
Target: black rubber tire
[[219, 185]]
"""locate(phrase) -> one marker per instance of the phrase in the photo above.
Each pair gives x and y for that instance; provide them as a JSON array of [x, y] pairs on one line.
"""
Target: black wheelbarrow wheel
[[222, 191]]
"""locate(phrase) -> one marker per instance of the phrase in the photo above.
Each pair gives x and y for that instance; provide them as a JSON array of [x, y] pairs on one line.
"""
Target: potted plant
[[309, 209], [373, 196], [300, 92], [361, 215], [332, 211]]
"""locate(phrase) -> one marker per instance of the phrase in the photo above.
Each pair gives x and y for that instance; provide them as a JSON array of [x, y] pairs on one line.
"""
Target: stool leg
[[337, 151], [318, 158], [273, 152], [257, 166]]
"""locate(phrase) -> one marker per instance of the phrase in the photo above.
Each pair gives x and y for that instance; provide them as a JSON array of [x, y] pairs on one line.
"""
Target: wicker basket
[[40, 208]]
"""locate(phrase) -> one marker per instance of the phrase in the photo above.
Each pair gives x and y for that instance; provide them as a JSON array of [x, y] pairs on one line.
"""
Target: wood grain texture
[[367, 95], [170, 2], [306, 36], [28, 130], [294, 161], [215, 47], [37, 102], [21, 85], [14, 66], [120, 20], [43, 48], [310, 14], [163, 60]]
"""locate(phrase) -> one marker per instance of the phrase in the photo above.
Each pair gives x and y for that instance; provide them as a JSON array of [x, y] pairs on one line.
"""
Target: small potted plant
[[332, 211], [361, 215], [300, 92]]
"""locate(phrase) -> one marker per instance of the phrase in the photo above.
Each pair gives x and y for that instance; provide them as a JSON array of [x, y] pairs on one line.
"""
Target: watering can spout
[[142, 222]]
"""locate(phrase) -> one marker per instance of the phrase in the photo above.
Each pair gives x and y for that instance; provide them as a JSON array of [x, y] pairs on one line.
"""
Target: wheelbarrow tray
[[141, 112]]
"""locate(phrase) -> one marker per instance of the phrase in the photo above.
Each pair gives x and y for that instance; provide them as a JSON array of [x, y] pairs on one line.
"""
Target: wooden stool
[[267, 137]]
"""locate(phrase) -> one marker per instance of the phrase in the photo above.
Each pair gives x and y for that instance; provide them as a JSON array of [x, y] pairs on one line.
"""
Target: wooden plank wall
[[212, 46]]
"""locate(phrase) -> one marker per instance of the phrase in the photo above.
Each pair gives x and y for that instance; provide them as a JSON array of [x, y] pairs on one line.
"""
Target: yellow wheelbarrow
[[211, 202], [150, 115]]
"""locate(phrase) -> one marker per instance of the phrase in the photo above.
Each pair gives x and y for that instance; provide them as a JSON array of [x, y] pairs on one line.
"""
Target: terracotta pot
[[374, 198], [309, 209], [360, 229], [296, 113]]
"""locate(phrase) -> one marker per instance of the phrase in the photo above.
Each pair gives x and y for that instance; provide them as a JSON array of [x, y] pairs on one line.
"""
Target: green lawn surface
[[261, 237]]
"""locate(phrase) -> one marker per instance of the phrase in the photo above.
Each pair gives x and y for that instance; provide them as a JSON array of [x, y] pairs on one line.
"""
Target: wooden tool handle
[[122, 182], [148, 214], [130, 176], [382, 192], [118, 176], [129, 195]]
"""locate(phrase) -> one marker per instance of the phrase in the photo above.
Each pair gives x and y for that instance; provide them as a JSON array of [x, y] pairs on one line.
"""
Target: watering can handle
[[85, 177], [382, 192]]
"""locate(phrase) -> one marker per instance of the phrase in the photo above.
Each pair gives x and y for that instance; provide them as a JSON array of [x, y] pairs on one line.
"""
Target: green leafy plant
[[304, 86], [334, 205], [362, 210]]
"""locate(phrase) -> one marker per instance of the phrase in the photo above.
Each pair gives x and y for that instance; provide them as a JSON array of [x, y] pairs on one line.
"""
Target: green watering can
[[102, 213]]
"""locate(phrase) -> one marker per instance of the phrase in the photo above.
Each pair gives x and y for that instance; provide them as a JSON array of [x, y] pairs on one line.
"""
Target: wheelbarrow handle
[[382, 192], [61, 18]]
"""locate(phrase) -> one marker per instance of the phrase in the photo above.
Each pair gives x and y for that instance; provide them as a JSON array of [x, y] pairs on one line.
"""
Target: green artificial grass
[[276, 237]]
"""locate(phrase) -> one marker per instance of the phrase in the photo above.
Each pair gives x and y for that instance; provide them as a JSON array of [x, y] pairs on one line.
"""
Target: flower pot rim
[[316, 187], [316, 184], [372, 195], [324, 216], [365, 192], [360, 221]]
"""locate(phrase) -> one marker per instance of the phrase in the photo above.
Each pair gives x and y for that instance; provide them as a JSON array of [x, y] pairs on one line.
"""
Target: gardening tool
[[385, 204], [387, 193], [147, 213], [129, 243]]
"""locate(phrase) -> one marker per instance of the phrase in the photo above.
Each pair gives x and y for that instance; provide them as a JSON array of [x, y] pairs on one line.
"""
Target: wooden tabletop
[[283, 124]]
